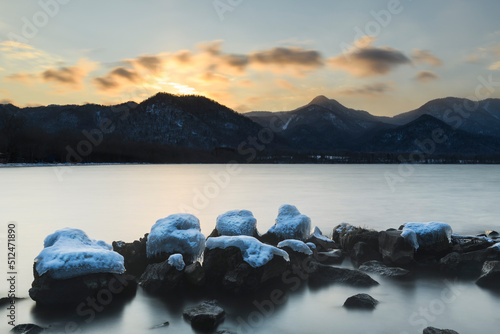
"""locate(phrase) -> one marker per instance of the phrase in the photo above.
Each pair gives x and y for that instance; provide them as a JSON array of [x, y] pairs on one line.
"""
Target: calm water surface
[[123, 202]]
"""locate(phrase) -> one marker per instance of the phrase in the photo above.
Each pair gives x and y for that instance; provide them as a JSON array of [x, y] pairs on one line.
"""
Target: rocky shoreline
[[236, 260]]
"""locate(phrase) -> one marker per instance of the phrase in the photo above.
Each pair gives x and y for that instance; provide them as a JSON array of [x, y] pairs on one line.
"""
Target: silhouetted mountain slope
[[481, 117], [430, 135]]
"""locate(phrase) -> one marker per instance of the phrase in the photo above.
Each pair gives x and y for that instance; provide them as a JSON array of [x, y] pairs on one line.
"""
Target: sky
[[385, 57]]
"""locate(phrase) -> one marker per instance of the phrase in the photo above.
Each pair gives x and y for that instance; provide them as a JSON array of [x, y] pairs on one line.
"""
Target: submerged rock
[[377, 267], [165, 324], [205, 316], [27, 329], [361, 301], [326, 275], [395, 249], [491, 275], [433, 330]]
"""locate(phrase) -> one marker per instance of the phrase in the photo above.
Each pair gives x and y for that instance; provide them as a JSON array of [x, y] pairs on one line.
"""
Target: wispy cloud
[[365, 60], [426, 57], [426, 76], [374, 89]]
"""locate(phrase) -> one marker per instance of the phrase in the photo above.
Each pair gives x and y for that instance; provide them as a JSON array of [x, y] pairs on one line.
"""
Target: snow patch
[[426, 234], [254, 252], [296, 246], [236, 222], [291, 224], [177, 233], [176, 261], [311, 245], [70, 253], [319, 235]]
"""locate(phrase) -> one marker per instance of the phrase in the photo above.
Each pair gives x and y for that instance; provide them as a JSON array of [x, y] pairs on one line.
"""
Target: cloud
[[210, 77], [426, 76], [151, 63], [24, 78], [283, 56], [117, 78], [69, 77], [483, 55], [375, 89], [426, 57], [365, 60]]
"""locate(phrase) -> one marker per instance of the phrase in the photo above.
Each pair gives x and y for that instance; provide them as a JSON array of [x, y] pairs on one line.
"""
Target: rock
[[361, 301], [206, 316], [430, 240], [395, 250], [466, 244], [432, 330], [491, 275], [236, 222], [335, 256], [377, 267], [177, 233], [27, 329], [165, 324], [160, 277], [134, 254], [242, 263], [291, 224], [325, 275], [468, 264], [6, 300], [362, 252], [492, 234], [322, 243], [194, 275], [347, 236], [49, 291]]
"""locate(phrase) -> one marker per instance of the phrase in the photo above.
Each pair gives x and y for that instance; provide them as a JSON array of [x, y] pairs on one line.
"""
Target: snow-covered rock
[[176, 261], [296, 245], [320, 240], [291, 224], [311, 245], [236, 222], [71, 253], [427, 235], [254, 252], [177, 233]]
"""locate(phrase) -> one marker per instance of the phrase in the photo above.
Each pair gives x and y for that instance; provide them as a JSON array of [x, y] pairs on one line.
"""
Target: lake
[[122, 202]]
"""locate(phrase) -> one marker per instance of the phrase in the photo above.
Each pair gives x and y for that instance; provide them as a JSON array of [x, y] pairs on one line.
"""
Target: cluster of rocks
[[175, 257]]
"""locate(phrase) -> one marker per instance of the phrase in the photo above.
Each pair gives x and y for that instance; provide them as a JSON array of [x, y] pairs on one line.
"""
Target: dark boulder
[[49, 291], [377, 267], [270, 238], [394, 249], [347, 236], [468, 264], [134, 255], [227, 269], [433, 330], [335, 256], [322, 243], [161, 277], [466, 244], [194, 275], [205, 316], [27, 329], [361, 301], [363, 252], [323, 275], [491, 275]]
